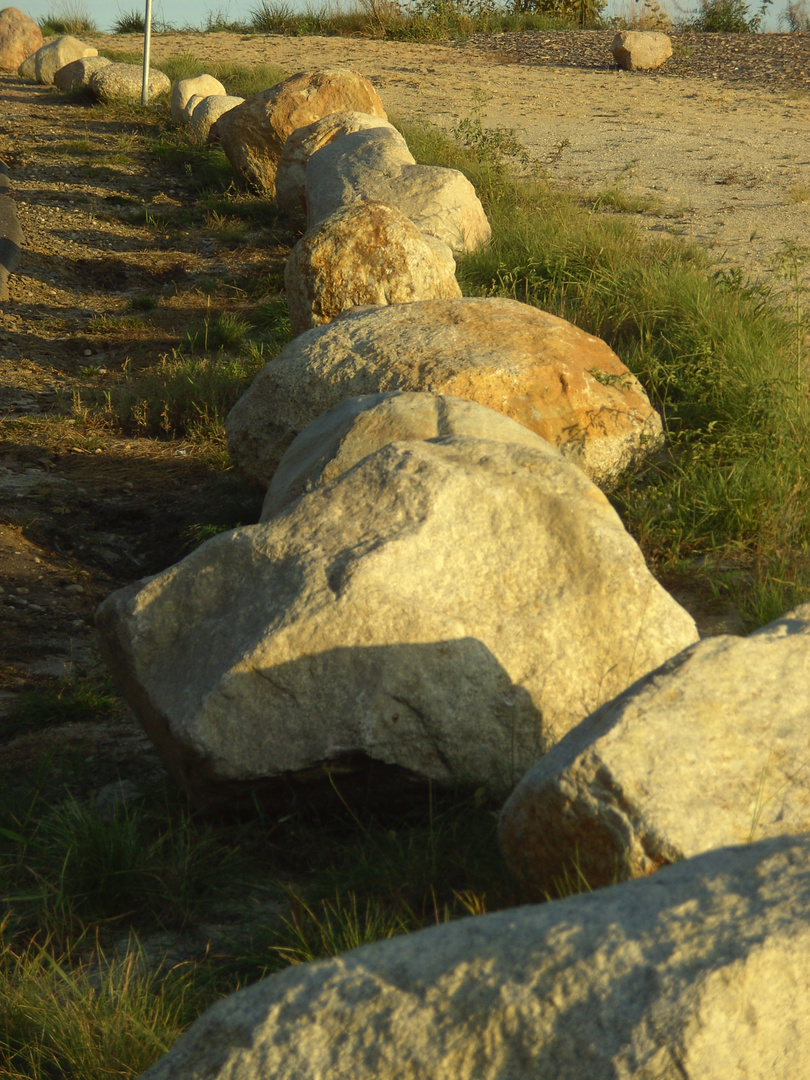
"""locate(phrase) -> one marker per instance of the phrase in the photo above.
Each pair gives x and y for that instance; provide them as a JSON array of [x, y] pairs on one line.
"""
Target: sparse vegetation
[[69, 17], [725, 507]]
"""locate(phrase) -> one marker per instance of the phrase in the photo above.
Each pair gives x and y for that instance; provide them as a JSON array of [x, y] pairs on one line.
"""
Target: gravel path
[[776, 62]]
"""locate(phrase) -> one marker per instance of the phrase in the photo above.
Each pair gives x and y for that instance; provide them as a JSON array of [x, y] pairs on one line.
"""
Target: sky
[[192, 13]]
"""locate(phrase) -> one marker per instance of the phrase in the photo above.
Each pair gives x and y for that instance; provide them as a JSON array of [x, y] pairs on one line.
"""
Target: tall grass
[[69, 17], [423, 20], [727, 502]]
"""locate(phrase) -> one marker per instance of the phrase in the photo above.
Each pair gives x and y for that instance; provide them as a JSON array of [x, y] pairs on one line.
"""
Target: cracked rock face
[[711, 749], [443, 611]]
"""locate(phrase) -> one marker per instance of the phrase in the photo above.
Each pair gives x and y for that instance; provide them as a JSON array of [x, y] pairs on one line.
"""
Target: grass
[[69, 17], [84, 884], [717, 356]]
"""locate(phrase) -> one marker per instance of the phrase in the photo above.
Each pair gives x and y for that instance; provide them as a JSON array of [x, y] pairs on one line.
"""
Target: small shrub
[[132, 22], [727, 17]]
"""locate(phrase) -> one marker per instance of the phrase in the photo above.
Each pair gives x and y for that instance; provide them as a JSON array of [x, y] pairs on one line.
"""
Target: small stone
[[22, 591]]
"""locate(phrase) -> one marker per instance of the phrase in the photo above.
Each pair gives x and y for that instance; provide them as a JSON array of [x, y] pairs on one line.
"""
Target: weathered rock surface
[[640, 50], [373, 165], [302, 143], [369, 253], [75, 75], [699, 973], [189, 107], [209, 110], [556, 380], [55, 53], [19, 38], [253, 135], [184, 89], [334, 442], [117, 82], [28, 68], [444, 611], [710, 750]]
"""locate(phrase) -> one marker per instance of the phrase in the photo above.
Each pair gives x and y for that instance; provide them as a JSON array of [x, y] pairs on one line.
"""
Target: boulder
[[709, 750], [443, 611], [118, 82], [11, 234], [640, 50], [565, 385], [253, 135], [190, 106], [20, 37], [28, 68], [54, 54], [345, 434], [302, 143], [699, 973], [209, 110], [377, 165], [201, 85], [368, 253], [77, 74]]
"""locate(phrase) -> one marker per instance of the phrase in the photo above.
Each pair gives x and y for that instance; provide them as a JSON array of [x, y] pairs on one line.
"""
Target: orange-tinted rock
[[19, 38], [253, 135], [368, 253], [565, 385]]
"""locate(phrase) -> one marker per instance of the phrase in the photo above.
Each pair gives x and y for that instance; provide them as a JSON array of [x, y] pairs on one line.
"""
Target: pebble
[[74, 588], [22, 591]]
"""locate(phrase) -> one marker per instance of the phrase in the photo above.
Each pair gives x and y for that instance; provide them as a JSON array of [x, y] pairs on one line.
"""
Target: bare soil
[[84, 509]]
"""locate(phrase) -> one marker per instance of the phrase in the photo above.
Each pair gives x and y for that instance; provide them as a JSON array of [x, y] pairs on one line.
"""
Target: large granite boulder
[[334, 442], [253, 135], [184, 89], [640, 50], [20, 37], [124, 82], [709, 750], [553, 378], [443, 611], [302, 143], [371, 164], [368, 253], [699, 973], [55, 53], [77, 74]]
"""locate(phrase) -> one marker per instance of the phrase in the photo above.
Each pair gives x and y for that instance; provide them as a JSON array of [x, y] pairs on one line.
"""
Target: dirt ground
[[83, 511]]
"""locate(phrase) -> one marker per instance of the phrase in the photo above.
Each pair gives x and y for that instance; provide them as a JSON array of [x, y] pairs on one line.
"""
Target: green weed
[[73, 701]]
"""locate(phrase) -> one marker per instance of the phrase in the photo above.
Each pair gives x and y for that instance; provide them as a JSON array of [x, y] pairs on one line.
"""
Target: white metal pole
[[147, 43]]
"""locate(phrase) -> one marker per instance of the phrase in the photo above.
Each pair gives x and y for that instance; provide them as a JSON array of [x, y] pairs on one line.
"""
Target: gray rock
[[334, 442], [710, 750], [367, 253], [302, 143], [209, 110], [699, 973], [55, 53], [124, 82], [444, 611], [201, 85], [253, 135], [563, 384], [76, 75], [11, 235], [376, 164]]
